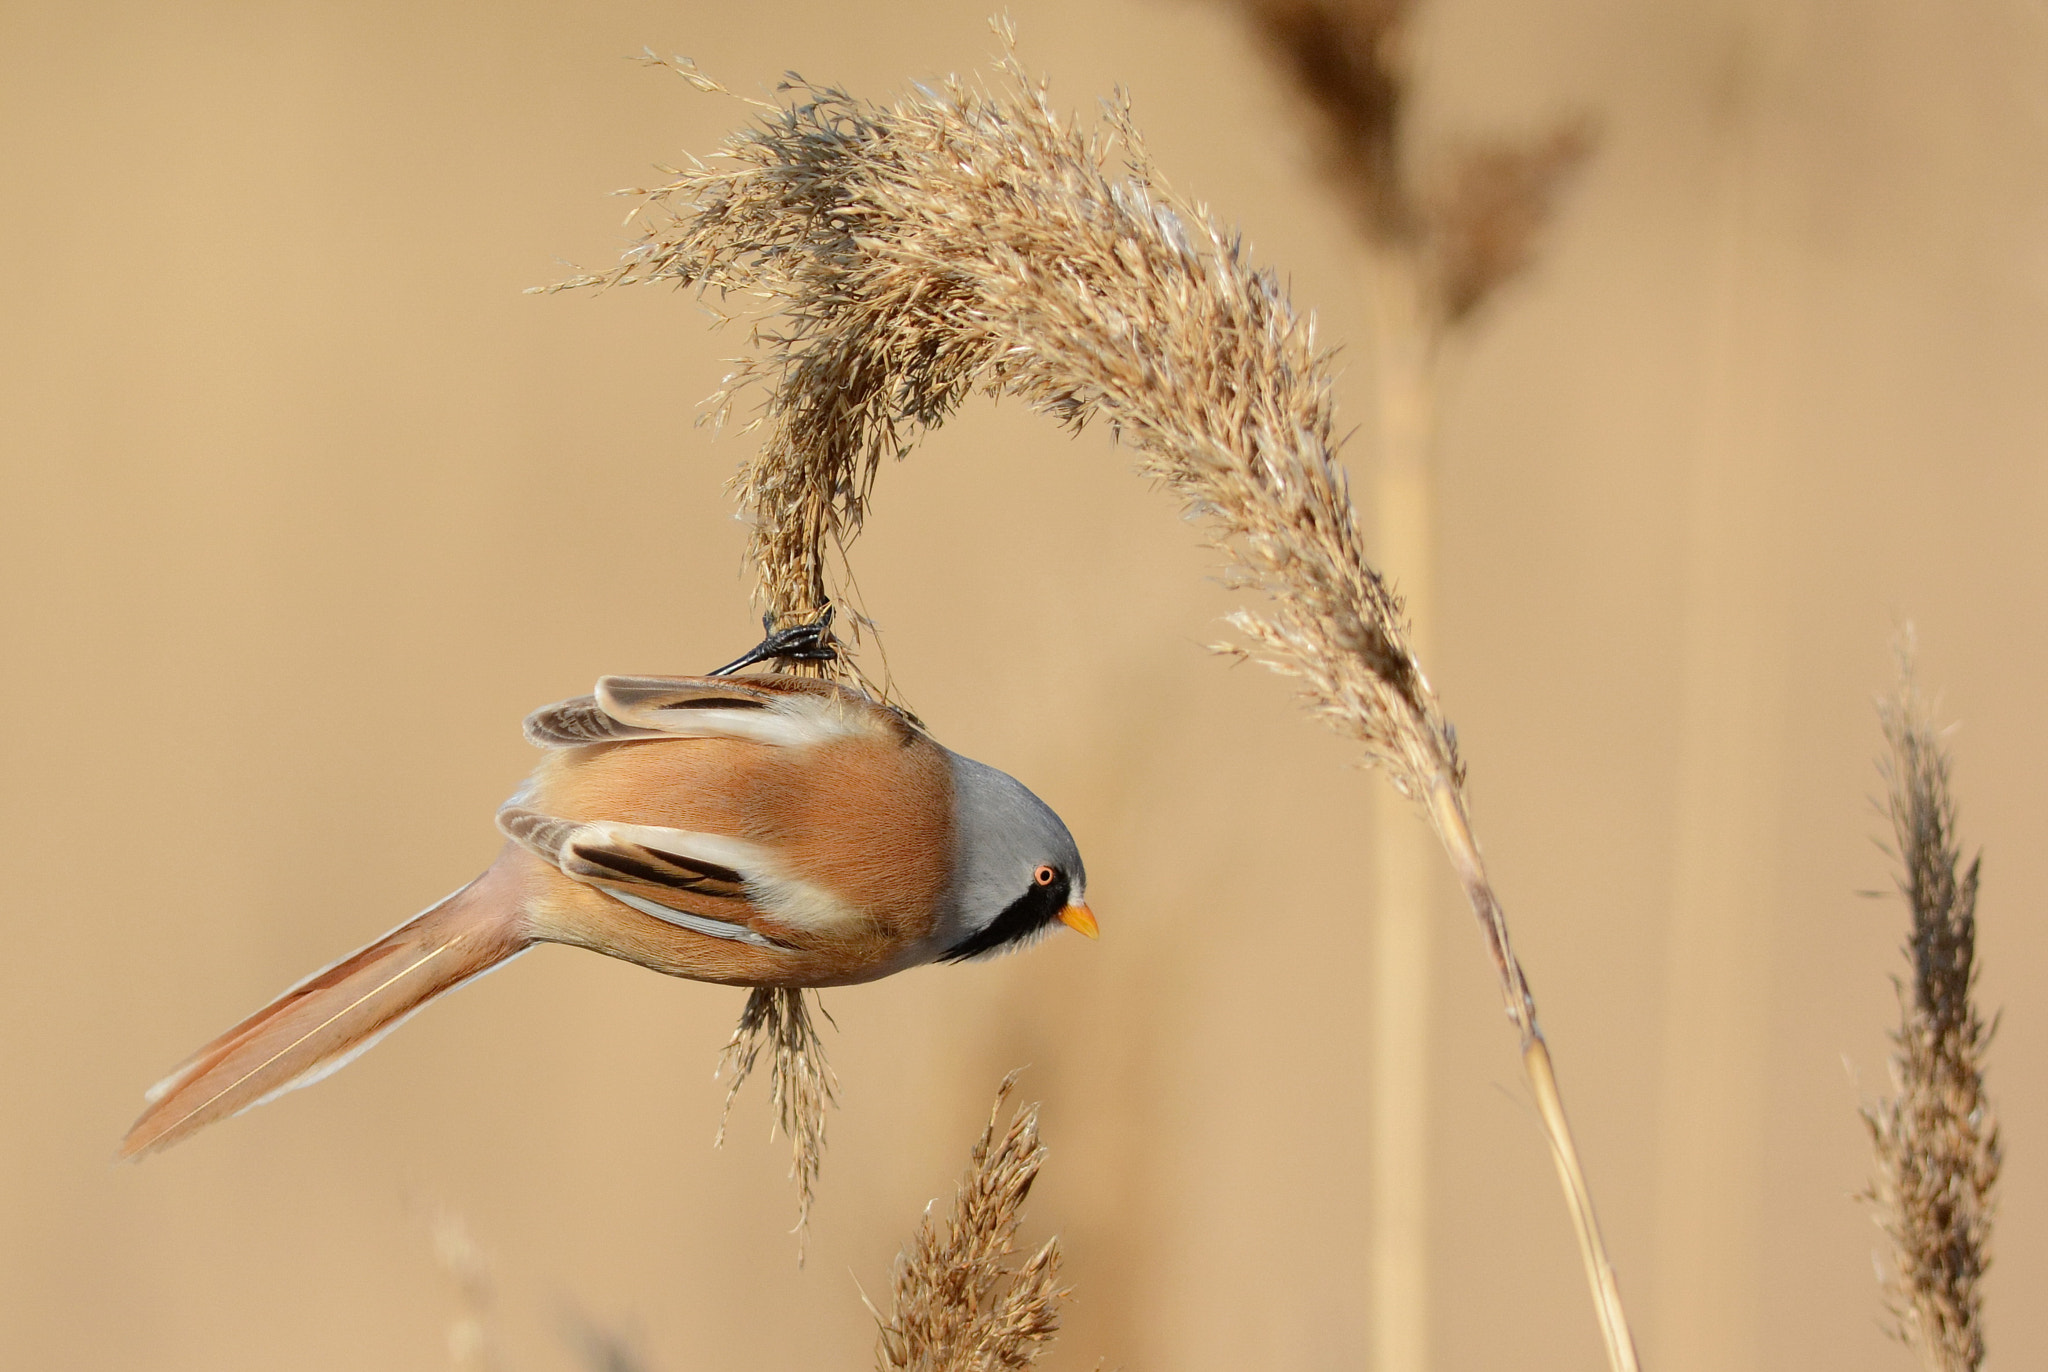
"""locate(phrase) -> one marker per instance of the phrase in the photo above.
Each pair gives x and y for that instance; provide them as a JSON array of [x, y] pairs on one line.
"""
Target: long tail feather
[[327, 1020]]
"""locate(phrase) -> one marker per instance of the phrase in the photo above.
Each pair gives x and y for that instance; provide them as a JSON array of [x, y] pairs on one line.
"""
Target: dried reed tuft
[[801, 1084], [1486, 208], [962, 239], [1936, 1139], [960, 1305]]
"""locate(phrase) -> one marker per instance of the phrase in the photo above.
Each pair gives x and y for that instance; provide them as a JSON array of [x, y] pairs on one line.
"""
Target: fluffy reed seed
[[905, 256], [960, 1304], [1935, 1139]]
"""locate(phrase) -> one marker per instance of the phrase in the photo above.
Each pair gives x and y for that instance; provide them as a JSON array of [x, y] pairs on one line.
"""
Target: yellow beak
[[1081, 920]]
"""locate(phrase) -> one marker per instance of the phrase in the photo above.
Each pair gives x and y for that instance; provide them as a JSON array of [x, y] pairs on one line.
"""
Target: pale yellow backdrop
[[305, 506]]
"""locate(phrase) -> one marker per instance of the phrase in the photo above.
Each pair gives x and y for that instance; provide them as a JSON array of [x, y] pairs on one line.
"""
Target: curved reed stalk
[[962, 240], [1441, 240]]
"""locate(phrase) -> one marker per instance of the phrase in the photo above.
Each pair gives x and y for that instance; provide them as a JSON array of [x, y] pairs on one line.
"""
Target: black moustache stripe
[[1020, 920]]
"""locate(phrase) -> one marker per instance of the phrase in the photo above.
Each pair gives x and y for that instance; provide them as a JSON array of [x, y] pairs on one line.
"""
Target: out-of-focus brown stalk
[[1936, 1137], [960, 1304], [1437, 246], [961, 240], [1465, 222], [472, 1337]]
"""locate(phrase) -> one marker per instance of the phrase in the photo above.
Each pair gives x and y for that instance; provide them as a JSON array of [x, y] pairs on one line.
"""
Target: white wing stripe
[[691, 845], [716, 928], [782, 721]]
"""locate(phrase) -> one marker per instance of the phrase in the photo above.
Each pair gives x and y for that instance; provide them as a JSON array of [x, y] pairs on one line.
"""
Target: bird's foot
[[798, 643]]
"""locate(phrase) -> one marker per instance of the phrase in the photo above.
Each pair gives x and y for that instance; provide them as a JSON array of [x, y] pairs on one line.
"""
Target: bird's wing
[[706, 882], [782, 710], [578, 723]]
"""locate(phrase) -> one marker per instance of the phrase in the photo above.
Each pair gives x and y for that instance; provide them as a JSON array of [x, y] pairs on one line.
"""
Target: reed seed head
[[1936, 1137], [960, 1303], [897, 258], [904, 256]]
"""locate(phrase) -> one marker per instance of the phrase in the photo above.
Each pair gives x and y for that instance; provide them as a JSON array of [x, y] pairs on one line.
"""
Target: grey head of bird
[[1016, 871]]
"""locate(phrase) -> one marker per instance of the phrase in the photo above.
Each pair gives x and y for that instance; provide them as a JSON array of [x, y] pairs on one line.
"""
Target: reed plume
[[902, 257], [960, 241], [1936, 1138], [960, 1303]]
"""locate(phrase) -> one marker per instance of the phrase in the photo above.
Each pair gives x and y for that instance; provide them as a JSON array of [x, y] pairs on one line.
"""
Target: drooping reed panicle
[[902, 257], [1935, 1139], [960, 1303], [962, 240]]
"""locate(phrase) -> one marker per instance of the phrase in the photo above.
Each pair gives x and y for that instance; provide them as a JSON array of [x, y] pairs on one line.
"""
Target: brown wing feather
[[784, 712], [621, 863], [687, 883], [781, 710], [656, 692], [542, 835], [579, 723]]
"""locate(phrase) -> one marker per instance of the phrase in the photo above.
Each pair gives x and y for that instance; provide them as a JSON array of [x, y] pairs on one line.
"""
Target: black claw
[[799, 643]]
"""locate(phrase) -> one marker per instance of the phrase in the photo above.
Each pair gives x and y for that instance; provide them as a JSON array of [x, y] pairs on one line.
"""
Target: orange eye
[[1044, 876]]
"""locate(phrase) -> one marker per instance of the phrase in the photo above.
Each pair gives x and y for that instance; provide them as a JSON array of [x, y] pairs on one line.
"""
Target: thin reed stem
[[1406, 339]]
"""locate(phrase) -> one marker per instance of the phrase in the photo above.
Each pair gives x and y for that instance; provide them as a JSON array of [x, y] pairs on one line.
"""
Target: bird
[[753, 830]]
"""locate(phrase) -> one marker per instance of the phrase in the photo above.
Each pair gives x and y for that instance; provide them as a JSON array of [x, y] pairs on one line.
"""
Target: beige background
[[306, 505]]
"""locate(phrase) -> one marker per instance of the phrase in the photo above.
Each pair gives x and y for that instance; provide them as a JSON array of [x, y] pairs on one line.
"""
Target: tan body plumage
[[757, 831], [868, 812]]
